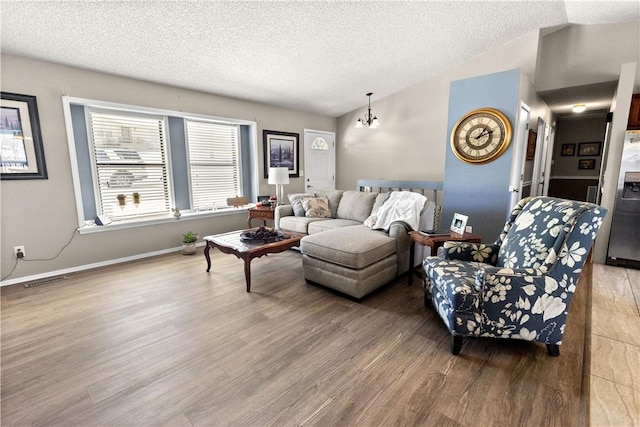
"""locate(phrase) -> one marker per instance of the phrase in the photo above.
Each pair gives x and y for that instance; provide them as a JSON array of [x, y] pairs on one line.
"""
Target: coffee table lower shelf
[[230, 243]]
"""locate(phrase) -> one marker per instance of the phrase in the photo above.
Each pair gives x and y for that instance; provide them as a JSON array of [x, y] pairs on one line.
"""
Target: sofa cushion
[[316, 207], [356, 205], [330, 224], [352, 247], [297, 224], [334, 197]]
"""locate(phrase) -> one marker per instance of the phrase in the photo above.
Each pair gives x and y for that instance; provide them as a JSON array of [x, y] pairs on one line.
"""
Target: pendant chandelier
[[369, 119]]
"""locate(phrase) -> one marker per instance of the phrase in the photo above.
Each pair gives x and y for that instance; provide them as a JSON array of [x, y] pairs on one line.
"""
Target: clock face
[[481, 136]]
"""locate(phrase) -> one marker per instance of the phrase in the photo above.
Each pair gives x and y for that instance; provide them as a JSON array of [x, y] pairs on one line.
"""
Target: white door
[[319, 160]]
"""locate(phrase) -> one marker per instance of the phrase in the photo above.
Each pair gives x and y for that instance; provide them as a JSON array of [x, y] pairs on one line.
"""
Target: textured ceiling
[[321, 57]]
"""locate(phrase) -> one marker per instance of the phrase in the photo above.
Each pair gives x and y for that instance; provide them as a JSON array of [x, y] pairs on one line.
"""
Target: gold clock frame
[[504, 144]]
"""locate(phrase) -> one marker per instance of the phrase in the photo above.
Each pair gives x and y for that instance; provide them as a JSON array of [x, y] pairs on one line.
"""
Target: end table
[[434, 242], [263, 213]]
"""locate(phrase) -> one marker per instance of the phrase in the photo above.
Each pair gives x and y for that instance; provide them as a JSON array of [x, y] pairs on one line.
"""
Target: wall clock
[[481, 136]]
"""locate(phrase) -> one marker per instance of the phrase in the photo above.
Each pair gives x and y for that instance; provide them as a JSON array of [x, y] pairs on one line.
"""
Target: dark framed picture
[[531, 145], [281, 149], [568, 150], [587, 164], [589, 149], [21, 151]]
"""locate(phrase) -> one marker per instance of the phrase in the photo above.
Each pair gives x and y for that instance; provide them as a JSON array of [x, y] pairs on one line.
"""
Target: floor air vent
[[44, 281]]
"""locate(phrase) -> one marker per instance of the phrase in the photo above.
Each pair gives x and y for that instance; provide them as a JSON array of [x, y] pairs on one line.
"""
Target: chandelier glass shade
[[369, 119]]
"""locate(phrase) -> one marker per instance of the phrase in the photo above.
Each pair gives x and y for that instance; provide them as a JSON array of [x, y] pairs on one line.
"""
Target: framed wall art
[[281, 149], [568, 150], [21, 151], [587, 164], [589, 149], [531, 145]]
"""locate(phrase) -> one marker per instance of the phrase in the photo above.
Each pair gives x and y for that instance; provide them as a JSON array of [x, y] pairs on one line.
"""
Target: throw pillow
[[296, 202], [298, 210], [316, 207]]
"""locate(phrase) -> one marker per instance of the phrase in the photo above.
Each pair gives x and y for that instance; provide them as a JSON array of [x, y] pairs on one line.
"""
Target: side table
[[434, 242], [263, 213]]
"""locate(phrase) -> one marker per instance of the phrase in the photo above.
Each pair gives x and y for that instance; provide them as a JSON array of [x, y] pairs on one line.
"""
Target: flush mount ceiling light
[[369, 119], [579, 108]]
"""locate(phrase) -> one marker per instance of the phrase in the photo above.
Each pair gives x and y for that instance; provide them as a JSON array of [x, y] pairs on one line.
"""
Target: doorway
[[319, 159]]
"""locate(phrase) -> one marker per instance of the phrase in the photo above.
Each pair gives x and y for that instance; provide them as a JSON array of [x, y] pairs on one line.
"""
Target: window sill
[[164, 219]]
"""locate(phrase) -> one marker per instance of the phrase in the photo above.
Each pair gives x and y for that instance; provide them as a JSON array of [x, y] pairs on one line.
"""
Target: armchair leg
[[553, 350], [456, 344]]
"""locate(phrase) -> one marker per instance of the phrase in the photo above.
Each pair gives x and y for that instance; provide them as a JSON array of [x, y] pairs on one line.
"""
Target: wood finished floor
[[161, 342]]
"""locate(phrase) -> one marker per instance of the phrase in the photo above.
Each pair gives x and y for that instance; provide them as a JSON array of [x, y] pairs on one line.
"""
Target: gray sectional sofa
[[342, 253]]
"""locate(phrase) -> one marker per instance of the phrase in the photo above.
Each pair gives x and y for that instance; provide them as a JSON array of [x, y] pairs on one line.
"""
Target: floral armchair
[[521, 286]]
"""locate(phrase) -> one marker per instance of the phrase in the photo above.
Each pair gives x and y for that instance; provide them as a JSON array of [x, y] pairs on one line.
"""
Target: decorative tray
[[261, 234]]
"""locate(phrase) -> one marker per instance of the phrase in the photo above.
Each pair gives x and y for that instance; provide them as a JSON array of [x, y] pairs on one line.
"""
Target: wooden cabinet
[[634, 113]]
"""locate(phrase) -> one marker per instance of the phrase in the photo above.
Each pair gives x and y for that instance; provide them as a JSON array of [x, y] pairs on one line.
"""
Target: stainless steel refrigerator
[[624, 241]]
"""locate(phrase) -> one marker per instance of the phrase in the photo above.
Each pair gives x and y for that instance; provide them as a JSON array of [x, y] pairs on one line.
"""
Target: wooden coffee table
[[230, 243]]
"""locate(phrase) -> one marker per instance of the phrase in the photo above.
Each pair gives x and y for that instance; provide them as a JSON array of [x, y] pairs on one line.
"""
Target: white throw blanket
[[399, 206]]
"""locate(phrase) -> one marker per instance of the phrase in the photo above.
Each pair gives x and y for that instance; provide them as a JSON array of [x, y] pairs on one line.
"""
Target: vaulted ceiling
[[321, 56]]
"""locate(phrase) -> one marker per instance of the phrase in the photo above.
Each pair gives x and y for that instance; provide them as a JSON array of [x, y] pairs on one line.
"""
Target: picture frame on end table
[[459, 223], [22, 153], [281, 149]]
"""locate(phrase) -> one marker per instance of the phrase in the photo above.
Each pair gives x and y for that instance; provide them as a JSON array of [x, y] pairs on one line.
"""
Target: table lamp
[[279, 177]]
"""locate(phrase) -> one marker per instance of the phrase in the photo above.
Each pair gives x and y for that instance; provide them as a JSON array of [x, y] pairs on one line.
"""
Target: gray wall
[[413, 136], [576, 131], [585, 54], [41, 214]]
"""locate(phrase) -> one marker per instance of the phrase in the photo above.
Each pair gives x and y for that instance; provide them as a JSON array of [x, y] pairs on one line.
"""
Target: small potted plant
[[189, 240]]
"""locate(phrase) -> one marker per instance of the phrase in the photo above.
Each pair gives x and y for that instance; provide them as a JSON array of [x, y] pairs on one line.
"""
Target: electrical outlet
[[19, 250]]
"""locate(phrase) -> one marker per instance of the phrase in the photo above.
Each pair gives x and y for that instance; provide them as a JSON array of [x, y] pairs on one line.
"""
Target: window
[[136, 164], [214, 168], [129, 157], [319, 144]]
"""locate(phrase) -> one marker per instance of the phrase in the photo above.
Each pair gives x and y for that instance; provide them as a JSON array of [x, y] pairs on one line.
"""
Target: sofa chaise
[[340, 250]]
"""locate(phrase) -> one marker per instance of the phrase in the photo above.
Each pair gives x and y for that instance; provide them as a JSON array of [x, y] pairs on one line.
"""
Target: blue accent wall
[[179, 164], [79, 123], [480, 191]]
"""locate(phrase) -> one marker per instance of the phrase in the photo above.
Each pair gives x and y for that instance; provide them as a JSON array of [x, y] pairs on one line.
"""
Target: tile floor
[[615, 347]]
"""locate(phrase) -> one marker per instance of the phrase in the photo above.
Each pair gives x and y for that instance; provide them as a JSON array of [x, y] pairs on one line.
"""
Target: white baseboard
[[70, 270]]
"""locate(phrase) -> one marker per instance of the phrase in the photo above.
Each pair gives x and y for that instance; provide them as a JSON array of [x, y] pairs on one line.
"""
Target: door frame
[[521, 136]]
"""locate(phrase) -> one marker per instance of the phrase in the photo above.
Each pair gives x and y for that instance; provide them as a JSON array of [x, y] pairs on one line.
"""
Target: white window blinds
[[130, 163], [214, 155]]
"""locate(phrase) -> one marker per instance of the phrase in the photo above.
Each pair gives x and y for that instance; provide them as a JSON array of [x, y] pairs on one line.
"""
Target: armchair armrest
[[465, 251]]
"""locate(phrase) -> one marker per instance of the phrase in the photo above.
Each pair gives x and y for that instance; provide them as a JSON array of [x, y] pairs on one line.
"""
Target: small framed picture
[[589, 149], [459, 223], [568, 150], [587, 164]]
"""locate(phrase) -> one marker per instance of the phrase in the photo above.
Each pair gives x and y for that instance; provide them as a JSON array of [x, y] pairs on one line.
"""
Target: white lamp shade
[[278, 176]]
